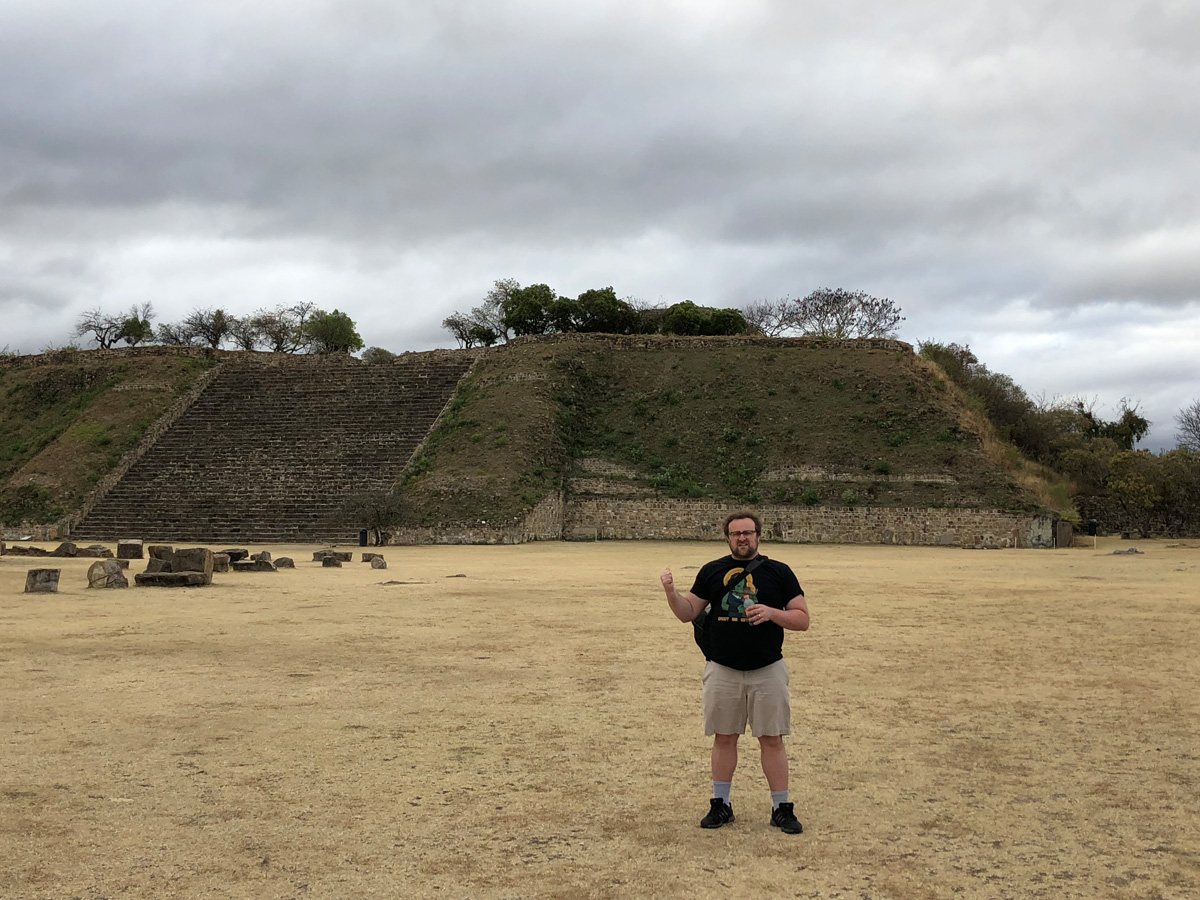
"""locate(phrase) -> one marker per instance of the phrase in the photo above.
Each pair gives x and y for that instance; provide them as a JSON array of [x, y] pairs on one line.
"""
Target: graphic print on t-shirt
[[742, 594]]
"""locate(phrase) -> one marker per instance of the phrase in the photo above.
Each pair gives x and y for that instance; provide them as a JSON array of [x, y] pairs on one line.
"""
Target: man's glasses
[[736, 534]]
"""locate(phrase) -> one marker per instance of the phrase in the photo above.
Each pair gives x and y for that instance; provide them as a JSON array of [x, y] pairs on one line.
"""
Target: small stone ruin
[[340, 556], [108, 573], [42, 581], [185, 568], [260, 562], [130, 548], [18, 550]]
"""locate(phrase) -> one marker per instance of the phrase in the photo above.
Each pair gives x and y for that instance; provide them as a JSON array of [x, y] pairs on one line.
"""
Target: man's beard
[[750, 553]]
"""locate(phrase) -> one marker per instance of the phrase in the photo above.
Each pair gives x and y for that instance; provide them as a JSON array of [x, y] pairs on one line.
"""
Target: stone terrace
[[274, 448]]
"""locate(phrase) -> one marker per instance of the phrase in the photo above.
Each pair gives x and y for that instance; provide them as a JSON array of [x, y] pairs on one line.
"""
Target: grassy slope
[[709, 419], [66, 423], [703, 419]]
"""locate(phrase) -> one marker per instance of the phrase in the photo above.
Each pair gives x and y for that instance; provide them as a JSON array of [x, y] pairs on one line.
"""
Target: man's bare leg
[[725, 757], [774, 761]]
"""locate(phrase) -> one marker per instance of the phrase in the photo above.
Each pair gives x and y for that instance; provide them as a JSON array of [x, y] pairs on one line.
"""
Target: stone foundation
[[663, 519], [697, 520]]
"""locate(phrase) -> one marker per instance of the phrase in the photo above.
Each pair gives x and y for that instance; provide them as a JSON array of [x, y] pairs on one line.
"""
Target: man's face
[[743, 539]]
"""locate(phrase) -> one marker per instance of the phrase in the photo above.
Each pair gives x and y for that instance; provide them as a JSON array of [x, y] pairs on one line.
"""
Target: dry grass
[[1008, 724]]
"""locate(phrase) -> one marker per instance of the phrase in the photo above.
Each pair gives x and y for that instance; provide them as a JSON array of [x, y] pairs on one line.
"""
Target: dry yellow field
[[524, 722]]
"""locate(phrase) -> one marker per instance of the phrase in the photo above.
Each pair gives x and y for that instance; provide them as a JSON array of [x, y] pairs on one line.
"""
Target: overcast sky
[[1021, 177]]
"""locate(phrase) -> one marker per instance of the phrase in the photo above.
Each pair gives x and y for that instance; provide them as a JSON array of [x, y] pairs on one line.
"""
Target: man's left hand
[[759, 613]]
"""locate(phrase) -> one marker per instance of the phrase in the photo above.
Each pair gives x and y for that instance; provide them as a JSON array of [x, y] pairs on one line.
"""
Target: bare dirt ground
[[524, 722]]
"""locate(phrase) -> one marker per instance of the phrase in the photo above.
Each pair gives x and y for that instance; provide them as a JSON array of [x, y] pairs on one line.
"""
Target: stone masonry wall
[[667, 519], [700, 520]]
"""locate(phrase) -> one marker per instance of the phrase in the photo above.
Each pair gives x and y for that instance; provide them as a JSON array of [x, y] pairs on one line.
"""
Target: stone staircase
[[275, 447]]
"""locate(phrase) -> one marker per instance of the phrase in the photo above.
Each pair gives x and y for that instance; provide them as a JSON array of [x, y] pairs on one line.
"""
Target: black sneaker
[[783, 817], [719, 813]]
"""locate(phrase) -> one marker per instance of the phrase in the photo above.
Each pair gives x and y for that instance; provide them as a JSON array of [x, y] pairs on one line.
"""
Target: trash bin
[[362, 537]]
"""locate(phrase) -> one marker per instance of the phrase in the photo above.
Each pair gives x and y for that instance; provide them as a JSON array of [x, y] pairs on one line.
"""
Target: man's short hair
[[743, 514]]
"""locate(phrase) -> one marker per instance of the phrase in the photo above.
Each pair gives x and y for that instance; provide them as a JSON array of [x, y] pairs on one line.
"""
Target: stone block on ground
[[265, 554], [18, 550], [95, 551], [66, 548], [236, 555], [367, 557], [285, 562], [220, 562], [378, 563], [252, 565], [193, 559], [154, 565], [130, 548], [172, 579], [331, 562], [42, 581], [108, 573], [160, 551]]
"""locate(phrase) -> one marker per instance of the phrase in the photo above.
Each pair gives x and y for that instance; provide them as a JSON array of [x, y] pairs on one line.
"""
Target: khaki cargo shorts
[[760, 696]]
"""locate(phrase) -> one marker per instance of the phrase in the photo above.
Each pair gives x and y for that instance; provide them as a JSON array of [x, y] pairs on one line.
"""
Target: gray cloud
[[973, 162]]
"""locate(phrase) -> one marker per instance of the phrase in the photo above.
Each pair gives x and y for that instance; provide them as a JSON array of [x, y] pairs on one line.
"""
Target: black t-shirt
[[733, 641]]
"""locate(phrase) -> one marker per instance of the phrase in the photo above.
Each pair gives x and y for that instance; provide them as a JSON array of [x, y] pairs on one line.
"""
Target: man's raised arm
[[685, 606]]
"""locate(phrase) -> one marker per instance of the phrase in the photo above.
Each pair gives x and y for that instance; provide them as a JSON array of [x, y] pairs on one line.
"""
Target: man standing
[[751, 601]]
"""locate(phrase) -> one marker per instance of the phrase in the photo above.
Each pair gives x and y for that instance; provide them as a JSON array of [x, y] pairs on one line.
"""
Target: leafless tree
[[174, 334], [838, 313], [281, 330], [210, 326], [243, 333], [485, 323], [771, 317], [1187, 424], [102, 327]]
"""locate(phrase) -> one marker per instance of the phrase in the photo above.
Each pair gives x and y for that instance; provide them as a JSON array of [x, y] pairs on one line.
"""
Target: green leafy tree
[[377, 356], [377, 511], [332, 332], [601, 311], [1133, 485], [726, 321], [684, 318], [137, 327], [687, 318], [531, 310]]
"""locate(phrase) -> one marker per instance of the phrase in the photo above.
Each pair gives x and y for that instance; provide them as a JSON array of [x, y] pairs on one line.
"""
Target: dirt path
[[1008, 724]]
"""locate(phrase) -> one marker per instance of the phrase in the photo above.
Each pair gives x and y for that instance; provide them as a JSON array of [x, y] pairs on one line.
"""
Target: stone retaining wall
[[666, 519], [700, 520]]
